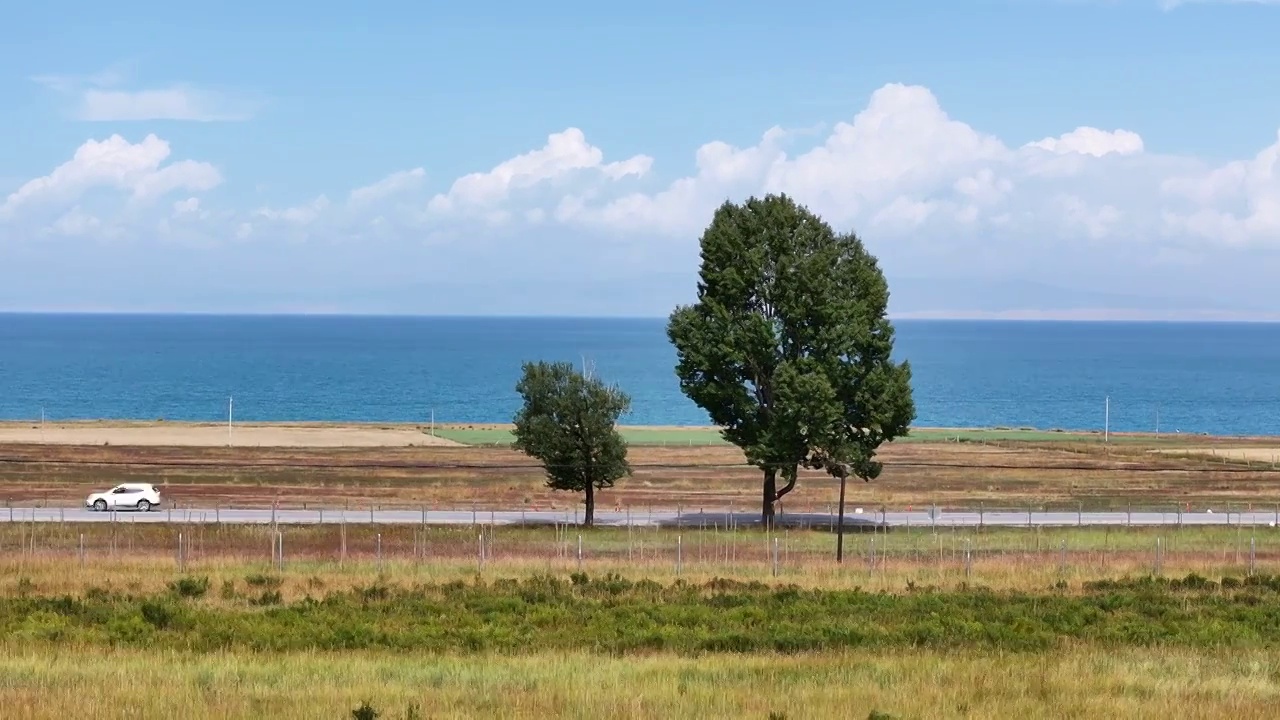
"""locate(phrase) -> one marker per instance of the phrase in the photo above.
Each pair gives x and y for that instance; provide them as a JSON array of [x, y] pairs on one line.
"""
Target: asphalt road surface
[[670, 518]]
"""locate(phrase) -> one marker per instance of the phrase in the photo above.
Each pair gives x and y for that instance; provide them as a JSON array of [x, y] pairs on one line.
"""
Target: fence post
[[1253, 547], [679, 553], [1062, 562], [82, 550], [775, 556], [575, 522], [379, 550], [280, 542]]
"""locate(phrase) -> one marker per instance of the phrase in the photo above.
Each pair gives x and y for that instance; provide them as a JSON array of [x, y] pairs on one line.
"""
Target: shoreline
[[326, 433]]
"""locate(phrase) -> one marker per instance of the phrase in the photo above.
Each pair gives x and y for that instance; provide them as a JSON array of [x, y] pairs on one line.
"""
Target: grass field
[[677, 436], [50, 683], [1071, 623], [309, 645], [57, 558], [205, 622]]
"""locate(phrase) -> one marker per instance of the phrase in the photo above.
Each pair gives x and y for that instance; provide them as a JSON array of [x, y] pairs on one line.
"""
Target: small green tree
[[569, 422], [788, 345]]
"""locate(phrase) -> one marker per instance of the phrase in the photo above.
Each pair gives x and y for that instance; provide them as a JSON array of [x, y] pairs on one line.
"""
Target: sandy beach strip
[[317, 435]]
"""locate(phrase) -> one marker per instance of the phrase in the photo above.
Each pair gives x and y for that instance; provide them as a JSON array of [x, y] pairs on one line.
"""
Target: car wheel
[[144, 506], [100, 505]]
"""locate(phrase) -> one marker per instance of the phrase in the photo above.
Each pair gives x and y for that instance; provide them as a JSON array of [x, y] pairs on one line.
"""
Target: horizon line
[[1031, 316]]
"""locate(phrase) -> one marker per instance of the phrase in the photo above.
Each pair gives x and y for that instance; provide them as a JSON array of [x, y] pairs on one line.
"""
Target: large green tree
[[569, 422], [788, 347]]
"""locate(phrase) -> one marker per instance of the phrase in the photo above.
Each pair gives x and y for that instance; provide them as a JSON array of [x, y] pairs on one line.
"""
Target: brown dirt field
[[1010, 475]]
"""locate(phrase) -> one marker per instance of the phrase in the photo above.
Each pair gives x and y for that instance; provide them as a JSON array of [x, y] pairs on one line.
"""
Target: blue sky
[[1014, 158]]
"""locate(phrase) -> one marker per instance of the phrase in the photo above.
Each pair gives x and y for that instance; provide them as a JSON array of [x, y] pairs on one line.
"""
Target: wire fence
[[905, 555], [797, 514]]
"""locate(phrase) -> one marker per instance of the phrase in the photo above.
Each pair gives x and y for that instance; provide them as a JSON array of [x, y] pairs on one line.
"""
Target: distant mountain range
[[1029, 300]]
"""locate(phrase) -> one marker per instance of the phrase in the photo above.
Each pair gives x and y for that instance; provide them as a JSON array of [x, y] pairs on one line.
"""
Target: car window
[[121, 490]]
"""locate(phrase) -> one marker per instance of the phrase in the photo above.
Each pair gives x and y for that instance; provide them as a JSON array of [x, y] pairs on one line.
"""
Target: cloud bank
[[931, 194]]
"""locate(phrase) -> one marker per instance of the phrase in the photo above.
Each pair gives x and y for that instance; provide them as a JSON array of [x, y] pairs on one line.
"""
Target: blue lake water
[[1200, 377]]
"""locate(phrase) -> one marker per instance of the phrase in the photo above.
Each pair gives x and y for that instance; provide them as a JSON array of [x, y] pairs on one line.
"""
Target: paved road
[[901, 519]]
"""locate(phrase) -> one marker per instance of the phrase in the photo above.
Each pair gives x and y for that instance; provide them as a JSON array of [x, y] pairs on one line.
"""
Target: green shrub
[[259, 580], [268, 597], [190, 587], [614, 615]]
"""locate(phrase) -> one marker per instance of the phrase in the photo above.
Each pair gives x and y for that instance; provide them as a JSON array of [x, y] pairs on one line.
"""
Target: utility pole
[[1106, 429]]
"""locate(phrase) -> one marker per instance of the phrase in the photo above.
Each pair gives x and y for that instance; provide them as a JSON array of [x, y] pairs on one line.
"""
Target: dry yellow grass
[[145, 557], [1083, 682], [943, 567], [1252, 453]]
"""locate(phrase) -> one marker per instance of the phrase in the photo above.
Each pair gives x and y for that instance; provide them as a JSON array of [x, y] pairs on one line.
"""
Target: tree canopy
[[568, 422], [788, 346]]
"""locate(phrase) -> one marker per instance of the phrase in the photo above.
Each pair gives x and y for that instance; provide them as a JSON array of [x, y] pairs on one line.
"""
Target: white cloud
[[566, 153], [76, 222], [297, 215], [901, 171], [1092, 141], [393, 184], [929, 192], [98, 98], [172, 103], [904, 167], [1237, 203], [137, 170]]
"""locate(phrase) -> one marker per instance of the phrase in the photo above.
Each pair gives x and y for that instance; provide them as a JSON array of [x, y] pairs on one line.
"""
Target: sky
[[1080, 159]]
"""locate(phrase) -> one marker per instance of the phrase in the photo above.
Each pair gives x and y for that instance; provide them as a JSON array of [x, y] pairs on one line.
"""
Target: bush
[[609, 614], [190, 587], [259, 580], [268, 597]]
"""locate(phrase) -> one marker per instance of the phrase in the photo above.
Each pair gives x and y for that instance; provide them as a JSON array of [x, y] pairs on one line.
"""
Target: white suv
[[137, 496]]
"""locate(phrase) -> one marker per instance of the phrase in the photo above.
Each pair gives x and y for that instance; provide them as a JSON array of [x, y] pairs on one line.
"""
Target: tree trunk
[[840, 521], [770, 495], [591, 505]]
